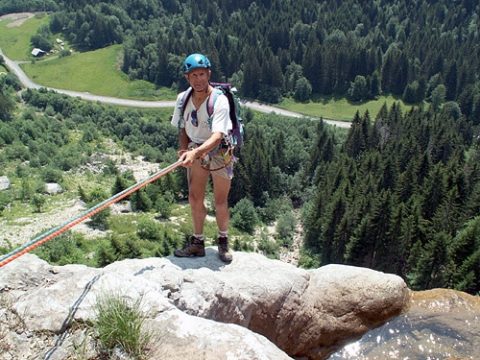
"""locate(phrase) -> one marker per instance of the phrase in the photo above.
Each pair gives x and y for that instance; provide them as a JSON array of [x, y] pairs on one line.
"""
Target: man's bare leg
[[198, 178], [221, 188]]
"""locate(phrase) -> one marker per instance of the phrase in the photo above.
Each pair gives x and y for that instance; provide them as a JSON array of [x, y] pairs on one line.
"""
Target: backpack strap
[[183, 104], [211, 101]]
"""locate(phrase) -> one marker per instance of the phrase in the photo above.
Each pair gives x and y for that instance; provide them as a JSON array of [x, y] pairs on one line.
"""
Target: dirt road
[[28, 83]]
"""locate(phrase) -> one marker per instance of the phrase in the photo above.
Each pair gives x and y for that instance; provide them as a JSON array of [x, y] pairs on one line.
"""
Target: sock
[[198, 236], [223, 233]]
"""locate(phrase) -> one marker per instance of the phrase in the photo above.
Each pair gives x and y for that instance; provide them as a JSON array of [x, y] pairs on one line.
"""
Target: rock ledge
[[254, 308]]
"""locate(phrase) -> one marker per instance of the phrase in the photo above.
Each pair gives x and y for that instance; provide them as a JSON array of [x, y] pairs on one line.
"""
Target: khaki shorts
[[220, 163]]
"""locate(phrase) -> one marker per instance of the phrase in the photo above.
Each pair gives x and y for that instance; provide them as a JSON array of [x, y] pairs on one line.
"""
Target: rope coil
[[54, 232]]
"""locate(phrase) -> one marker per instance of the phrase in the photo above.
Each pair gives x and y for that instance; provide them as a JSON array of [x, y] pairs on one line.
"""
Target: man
[[200, 150]]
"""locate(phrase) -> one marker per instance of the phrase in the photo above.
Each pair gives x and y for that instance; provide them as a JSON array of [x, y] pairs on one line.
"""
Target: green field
[[15, 41], [96, 72], [340, 108]]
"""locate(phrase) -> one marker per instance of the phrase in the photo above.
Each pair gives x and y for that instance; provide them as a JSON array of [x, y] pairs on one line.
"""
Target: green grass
[[125, 223], [15, 41], [96, 72], [120, 323], [339, 108]]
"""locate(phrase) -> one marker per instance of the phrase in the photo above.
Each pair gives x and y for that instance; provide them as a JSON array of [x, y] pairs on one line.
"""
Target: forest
[[400, 192], [416, 50]]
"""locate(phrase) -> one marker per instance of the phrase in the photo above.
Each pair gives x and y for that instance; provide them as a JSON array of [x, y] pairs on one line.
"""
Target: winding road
[[14, 67]]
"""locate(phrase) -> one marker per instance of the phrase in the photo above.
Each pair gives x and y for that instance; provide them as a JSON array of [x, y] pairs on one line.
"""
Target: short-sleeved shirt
[[220, 121]]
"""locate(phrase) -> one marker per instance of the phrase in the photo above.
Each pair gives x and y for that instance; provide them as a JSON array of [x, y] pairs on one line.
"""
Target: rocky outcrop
[[53, 188], [4, 183], [254, 308]]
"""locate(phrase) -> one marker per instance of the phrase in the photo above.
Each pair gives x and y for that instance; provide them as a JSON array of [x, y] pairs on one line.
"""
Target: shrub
[[148, 229], [65, 249], [5, 200], [100, 219], [52, 175], [244, 216], [64, 52], [286, 228], [164, 205], [140, 201], [268, 247], [38, 201], [273, 208], [308, 260]]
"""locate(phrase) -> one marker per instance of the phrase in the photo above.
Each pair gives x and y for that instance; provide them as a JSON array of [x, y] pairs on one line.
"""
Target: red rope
[[92, 211]]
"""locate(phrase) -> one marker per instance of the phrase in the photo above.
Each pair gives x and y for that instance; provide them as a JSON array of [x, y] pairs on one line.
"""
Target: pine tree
[[119, 185], [379, 231], [333, 215], [433, 192], [241, 183], [451, 82], [341, 237], [429, 271], [358, 246], [140, 201], [397, 252], [356, 142], [252, 74], [258, 165], [464, 258], [313, 66]]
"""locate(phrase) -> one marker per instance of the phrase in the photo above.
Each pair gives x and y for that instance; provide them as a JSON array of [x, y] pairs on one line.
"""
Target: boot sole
[[227, 261], [192, 255]]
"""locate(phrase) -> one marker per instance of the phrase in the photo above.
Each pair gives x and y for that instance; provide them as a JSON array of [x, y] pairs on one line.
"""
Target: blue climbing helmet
[[195, 61]]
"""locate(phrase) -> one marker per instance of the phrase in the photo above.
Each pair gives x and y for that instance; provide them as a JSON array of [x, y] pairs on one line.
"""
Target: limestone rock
[[122, 207], [254, 308], [4, 183], [53, 188]]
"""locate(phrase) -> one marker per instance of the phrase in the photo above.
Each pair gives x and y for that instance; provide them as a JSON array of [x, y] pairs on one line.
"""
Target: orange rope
[[49, 235]]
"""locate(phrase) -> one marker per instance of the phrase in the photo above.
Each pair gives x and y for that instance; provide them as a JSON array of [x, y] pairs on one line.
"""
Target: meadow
[[15, 41], [340, 108], [97, 72]]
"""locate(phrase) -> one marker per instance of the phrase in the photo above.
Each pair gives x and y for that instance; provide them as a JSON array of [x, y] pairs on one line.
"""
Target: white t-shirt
[[200, 133]]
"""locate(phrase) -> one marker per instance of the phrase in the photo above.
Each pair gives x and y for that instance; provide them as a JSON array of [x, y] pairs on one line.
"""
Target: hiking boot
[[223, 253], [193, 247]]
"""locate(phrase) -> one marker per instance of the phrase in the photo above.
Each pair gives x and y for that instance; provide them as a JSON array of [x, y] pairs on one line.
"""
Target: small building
[[38, 52]]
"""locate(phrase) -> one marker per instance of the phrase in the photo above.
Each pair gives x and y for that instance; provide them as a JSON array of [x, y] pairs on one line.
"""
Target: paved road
[[28, 83]]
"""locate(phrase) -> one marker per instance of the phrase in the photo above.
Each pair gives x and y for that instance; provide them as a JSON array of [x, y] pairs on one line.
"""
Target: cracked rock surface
[[253, 308]]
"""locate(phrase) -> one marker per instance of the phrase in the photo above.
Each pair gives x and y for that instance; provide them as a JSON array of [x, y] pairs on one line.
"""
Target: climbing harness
[[50, 234], [225, 153]]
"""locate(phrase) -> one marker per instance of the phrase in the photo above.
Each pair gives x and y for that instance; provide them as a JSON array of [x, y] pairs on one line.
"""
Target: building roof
[[37, 51]]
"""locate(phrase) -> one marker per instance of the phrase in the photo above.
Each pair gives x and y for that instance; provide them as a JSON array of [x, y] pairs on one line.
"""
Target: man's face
[[198, 79]]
